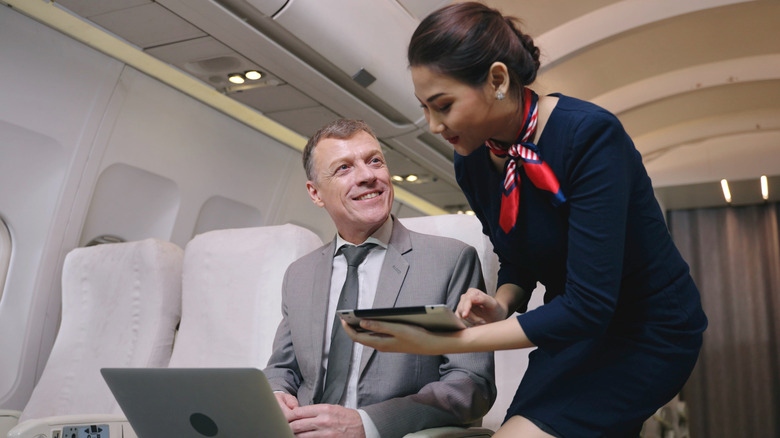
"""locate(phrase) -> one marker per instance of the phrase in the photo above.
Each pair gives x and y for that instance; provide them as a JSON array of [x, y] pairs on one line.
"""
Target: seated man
[[354, 391]]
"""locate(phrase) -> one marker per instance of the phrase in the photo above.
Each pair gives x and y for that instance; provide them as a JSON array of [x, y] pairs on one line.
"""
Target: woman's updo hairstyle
[[463, 40]]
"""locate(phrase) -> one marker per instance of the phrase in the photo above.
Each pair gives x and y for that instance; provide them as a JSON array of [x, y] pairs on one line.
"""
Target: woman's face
[[465, 116]]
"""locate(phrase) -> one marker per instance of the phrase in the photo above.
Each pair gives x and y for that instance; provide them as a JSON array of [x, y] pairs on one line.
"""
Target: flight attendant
[[563, 195]]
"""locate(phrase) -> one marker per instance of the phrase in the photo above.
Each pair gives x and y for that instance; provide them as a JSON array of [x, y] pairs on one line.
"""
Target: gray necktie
[[340, 354]]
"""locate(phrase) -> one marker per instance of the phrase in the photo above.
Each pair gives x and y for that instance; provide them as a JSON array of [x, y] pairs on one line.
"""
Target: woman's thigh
[[520, 427]]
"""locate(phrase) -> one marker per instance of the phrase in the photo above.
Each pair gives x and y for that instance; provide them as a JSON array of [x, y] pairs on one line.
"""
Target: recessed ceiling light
[[253, 75], [398, 178], [764, 187], [726, 193], [411, 178], [236, 78]]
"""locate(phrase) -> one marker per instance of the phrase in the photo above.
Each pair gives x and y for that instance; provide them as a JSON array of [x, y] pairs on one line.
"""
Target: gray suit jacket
[[402, 393]]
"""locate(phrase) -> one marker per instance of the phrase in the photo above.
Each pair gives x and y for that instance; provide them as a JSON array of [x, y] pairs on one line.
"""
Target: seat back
[[120, 306], [231, 294], [465, 228], [510, 364]]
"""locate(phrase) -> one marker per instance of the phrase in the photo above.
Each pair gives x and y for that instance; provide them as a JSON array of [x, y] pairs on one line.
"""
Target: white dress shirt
[[368, 279]]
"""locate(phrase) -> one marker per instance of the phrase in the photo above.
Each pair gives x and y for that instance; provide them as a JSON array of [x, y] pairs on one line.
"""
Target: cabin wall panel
[[132, 204], [52, 99], [205, 153], [59, 133], [219, 213], [297, 208]]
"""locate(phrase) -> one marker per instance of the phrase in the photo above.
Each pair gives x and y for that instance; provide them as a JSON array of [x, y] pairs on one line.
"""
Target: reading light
[[398, 178], [411, 178], [764, 187], [253, 75], [236, 78], [726, 193]]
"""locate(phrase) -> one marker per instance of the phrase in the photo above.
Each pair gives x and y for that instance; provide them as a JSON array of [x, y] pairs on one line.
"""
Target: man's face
[[353, 183]]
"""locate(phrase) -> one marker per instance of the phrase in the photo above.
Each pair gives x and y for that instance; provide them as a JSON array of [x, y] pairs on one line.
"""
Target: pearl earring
[[500, 95]]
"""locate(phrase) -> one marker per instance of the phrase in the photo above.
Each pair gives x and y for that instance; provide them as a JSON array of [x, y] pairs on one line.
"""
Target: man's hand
[[326, 421], [287, 402]]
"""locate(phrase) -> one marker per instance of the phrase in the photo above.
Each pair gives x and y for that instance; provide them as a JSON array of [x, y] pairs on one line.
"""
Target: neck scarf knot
[[524, 155]]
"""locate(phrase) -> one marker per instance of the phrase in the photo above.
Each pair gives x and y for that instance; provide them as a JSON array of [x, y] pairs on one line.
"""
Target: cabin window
[[5, 254]]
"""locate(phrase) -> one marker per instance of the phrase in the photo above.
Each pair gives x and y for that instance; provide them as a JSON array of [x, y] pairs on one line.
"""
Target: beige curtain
[[734, 254]]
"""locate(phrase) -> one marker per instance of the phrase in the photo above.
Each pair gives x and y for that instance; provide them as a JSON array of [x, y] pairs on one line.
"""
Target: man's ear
[[499, 77], [314, 194]]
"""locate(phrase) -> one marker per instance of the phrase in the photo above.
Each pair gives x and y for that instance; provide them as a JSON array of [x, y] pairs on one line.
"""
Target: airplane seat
[[120, 306], [8, 419], [467, 229], [231, 294]]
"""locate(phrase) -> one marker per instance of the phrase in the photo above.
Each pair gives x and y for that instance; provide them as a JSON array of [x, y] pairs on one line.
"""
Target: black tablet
[[434, 317]]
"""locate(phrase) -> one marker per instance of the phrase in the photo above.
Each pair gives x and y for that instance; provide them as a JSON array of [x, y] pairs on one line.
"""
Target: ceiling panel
[[399, 164], [421, 8], [741, 156], [541, 16], [211, 61], [148, 25], [90, 8], [698, 91], [271, 99], [305, 121], [699, 104], [698, 38]]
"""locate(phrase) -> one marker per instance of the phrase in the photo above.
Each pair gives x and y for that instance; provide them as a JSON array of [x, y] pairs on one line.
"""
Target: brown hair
[[463, 40], [340, 129]]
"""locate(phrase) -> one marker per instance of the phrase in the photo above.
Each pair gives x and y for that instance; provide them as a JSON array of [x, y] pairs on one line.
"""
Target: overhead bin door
[[359, 34], [267, 7]]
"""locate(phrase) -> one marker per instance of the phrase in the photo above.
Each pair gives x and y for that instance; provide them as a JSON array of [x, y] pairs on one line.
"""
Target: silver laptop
[[197, 402]]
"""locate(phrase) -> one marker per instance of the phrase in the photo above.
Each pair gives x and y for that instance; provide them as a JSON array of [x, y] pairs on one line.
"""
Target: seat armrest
[[8, 419], [452, 432], [52, 427]]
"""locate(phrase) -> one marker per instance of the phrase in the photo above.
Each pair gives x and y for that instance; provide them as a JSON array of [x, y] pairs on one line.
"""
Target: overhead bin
[[364, 39], [267, 7]]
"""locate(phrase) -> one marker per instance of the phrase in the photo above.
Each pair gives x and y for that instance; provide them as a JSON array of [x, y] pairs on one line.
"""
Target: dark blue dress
[[620, 330]]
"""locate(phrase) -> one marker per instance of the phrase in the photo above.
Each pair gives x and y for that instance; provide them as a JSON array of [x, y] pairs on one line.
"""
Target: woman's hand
[[406, 338], [401, 338], [477, 308]]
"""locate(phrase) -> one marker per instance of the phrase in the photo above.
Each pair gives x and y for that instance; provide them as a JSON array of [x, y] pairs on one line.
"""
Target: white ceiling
[[695, 82]]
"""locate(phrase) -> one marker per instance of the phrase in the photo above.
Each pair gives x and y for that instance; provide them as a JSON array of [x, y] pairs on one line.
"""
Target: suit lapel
[[320, 296], [391, 278]]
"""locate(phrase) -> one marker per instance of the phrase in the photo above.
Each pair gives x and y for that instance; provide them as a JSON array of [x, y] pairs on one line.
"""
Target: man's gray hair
[[339, 129]]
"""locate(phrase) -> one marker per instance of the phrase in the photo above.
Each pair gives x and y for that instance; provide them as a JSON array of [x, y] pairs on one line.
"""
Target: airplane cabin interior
[[151, 181]]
